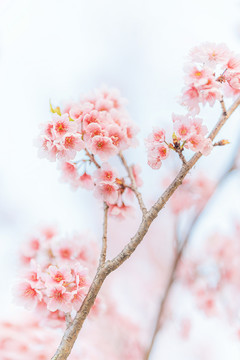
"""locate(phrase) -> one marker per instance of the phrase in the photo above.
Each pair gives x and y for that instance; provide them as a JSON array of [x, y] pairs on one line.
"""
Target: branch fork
[[106, 267]]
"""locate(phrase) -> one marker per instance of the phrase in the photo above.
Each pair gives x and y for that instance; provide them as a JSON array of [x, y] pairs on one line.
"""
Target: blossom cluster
[[213, 277], [188, 132], [98, 124], [56, 274], [83, 137], [211, 72]]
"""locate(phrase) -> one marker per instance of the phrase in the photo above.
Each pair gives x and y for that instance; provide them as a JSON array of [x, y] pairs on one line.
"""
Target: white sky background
[[55, 49]]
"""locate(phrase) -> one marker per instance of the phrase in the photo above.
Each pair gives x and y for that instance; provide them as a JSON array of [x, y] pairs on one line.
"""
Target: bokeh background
[[58, 50]]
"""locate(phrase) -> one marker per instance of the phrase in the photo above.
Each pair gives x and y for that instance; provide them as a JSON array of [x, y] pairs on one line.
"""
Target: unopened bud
[[222, 142], [175, 139]]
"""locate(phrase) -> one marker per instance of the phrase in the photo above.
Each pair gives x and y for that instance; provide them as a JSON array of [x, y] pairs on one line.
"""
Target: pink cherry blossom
[[27, 294], [195, 75], [107, 191], [210, 54], [81, 276], [78, 111], [182, 127], [117, 136], [59, 299], [73, 142], [77, 298], [62, 125], [191, 99], [57, 276], [103, 147], [106, 173], [93, 117], [92, 130]]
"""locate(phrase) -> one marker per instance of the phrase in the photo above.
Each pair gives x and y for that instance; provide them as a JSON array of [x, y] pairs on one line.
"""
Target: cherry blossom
[[188, 132]]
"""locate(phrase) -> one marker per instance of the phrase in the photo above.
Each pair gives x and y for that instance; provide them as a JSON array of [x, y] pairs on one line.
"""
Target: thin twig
[[73, 330], [92, 158], [181, 156], [104, 237], [224, 110], [133, 184]]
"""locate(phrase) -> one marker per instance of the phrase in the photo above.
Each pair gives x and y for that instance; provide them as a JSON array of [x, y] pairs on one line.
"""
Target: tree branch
[[92, 158], [133, 184], [224, 110], [68, 319], [104, 237], [73, 330]]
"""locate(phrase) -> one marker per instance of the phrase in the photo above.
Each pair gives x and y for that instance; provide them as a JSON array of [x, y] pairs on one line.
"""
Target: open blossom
[[196, 74], [57, 276], [103, 147], [78, 111], [62, 125], [190, 99], [59, 299], [210, 54], [107, 191], [27, 294], [106, 173], [192, 133]]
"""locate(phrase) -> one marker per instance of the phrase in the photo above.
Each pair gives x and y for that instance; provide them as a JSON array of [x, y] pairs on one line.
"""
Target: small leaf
[[56, 110]]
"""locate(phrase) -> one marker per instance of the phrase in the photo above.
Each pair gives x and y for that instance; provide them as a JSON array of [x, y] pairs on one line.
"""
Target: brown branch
[[133, 184], [178, 257], [181, 156], [73, 330], [68, 319], [224, 110], [92, 158], [104, 237]]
